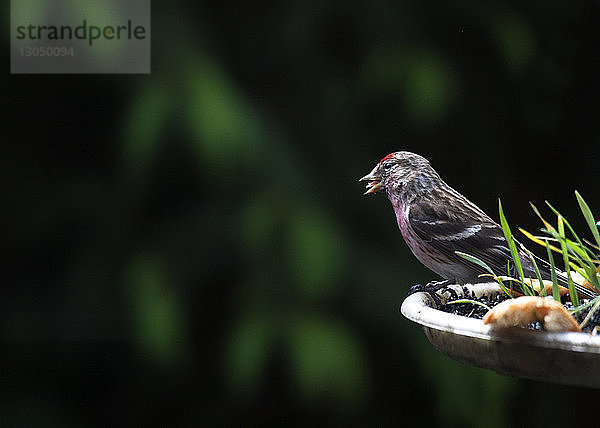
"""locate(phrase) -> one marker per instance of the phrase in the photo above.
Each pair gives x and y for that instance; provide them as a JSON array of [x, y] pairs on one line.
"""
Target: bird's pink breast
[[420, 248], [407, 233]]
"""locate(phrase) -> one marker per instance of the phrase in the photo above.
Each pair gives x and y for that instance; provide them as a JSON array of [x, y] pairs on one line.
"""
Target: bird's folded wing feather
[[471, 232]]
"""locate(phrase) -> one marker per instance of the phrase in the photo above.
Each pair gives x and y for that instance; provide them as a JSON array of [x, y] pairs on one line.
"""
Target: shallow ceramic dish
[[569, 358]]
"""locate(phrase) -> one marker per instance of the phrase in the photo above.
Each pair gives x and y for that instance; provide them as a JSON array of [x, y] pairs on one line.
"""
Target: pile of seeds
[[466, 306]]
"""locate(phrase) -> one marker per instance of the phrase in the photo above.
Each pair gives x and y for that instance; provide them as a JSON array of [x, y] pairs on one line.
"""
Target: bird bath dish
[[566, 357]]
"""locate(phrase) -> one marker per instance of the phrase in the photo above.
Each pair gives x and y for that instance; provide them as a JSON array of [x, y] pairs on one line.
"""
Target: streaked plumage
[[436, 221]]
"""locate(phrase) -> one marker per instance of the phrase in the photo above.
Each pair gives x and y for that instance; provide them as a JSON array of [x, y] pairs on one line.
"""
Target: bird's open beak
[[374, 180]]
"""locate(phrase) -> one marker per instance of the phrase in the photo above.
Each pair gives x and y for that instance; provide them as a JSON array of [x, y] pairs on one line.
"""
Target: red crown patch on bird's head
[[391, 155]]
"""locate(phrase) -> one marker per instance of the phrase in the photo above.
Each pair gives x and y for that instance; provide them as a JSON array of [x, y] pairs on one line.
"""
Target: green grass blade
[[509, 274], [589, 217], [577, 253], [578, 269], [591, 244], [513, 248], [585, 252], [584, 306], [475, 260], [539, 276], [590, 314], [485, 266], [555, 211], [571, 253], [537, 212], [565, 251], [555, 292], [592, 276], [588, 273]]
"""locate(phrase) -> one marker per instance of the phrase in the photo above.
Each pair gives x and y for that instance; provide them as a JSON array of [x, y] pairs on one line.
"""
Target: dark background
[[191, 246]]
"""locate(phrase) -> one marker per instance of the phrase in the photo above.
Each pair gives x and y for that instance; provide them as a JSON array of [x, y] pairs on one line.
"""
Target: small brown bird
[[436, 221]]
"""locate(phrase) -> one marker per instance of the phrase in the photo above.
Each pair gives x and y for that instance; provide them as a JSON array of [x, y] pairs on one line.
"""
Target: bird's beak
[[374, 180]]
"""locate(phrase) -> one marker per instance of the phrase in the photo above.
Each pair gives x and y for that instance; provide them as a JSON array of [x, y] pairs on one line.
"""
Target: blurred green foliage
[[326, 361], [516, 41], [192, 248], [158, 320], [315, 250]]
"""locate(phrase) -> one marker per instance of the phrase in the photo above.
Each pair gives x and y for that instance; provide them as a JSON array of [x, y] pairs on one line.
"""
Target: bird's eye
[[387, 166]]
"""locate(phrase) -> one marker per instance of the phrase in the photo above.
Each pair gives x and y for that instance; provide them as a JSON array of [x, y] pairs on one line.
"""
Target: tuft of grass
[[577, 254]]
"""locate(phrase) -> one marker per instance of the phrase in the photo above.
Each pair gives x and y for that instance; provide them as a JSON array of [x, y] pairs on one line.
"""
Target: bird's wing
[[470, 231]]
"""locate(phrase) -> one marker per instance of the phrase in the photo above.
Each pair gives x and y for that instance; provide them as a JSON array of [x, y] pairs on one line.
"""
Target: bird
[[436, 221]]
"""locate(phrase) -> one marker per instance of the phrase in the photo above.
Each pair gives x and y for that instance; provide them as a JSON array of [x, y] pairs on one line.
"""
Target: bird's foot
[[431, 288]]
